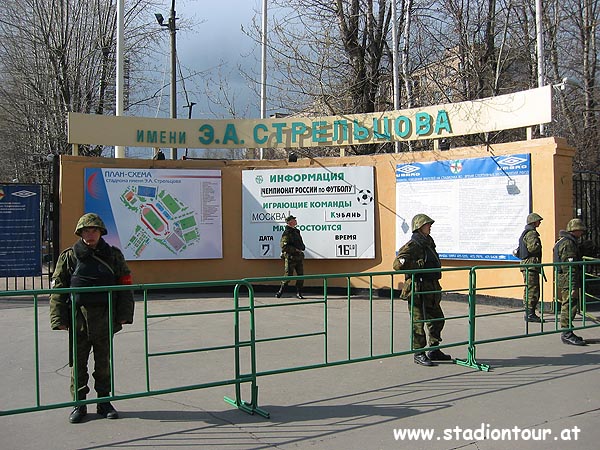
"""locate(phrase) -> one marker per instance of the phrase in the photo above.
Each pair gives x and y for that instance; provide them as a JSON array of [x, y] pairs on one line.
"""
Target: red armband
[[125, 279]]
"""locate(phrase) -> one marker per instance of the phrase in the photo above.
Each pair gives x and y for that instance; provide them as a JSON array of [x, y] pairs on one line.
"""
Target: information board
[[20, 230], [334, 207], [479, 205], [161, 214]]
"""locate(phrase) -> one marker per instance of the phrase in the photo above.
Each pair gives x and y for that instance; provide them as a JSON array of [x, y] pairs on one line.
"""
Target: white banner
[[155, 214], [503, 112], [334, 206]]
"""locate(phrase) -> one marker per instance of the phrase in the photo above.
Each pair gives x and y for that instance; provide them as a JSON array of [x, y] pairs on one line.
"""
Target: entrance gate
[[586, 203]]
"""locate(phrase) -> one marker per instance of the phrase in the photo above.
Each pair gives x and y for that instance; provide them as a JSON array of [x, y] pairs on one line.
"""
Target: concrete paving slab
[[538, 387]]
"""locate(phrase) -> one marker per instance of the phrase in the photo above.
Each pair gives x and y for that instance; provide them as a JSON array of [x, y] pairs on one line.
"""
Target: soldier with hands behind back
[[91, 262], [420, 253]]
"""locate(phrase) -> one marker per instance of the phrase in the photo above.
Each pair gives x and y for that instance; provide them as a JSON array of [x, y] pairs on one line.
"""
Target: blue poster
[[20, 230], [479, 204]]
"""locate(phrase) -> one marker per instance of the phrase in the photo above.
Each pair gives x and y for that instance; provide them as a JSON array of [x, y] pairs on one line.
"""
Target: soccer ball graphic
[[364, 197]]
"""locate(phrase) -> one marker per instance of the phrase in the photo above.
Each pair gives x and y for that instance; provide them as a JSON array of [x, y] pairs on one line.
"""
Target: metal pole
[[395, 65], [540, 49], [190, 105], [173, 30], [56, 247], [263, 75], [119, 149]]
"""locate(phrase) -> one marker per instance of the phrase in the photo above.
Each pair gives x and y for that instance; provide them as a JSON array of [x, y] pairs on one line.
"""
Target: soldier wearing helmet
[[530, 252], [569, 278], [292, 253], [420, 253], [91, 261], [90, 220]]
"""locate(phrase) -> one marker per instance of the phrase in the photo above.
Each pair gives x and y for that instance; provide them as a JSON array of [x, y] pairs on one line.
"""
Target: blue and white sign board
[[479, 205], [20, 230], [161, 214], [334, 206]]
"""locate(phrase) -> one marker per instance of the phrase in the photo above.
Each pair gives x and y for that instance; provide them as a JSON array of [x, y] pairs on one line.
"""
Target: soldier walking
[[569, 280], [292, 253]]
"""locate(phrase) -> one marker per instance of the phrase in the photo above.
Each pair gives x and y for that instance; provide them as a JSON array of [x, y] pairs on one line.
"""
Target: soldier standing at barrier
[[292, 253], [420, 253], [569, 280], [530, 252], [91, 262]]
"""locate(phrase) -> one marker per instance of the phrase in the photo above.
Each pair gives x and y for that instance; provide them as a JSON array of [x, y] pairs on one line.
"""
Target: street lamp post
[[190, 105], [173, 29]]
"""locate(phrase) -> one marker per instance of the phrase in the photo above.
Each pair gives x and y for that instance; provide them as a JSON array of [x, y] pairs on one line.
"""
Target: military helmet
[[576, 225], [533, 217], [419, 220], [90, 220]]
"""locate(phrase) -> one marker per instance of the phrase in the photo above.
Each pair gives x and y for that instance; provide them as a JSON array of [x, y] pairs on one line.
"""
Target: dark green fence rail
[[338, 341]]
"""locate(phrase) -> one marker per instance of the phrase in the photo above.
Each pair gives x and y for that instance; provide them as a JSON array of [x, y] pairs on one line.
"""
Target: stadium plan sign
[[158, 213]]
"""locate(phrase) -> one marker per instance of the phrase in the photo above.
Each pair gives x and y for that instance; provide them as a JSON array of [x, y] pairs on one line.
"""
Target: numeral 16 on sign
[[345, 250]]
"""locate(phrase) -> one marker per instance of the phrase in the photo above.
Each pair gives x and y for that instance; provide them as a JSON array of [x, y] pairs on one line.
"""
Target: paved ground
[[536, 384]]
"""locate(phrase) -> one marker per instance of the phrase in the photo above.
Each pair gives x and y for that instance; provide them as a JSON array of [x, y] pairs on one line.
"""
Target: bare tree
[[59, 57], [330, 57], [573, 46]]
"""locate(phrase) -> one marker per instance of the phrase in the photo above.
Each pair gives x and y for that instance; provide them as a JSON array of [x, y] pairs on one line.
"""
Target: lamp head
[[159, 18]]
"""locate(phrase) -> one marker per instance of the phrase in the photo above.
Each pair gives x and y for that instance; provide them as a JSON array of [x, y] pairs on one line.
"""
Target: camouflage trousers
[[293, 265], [569, 307], [424, 308], [92, 333], [531, 294]]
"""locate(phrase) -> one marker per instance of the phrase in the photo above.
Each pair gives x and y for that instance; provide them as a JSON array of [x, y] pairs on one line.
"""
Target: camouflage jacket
[[419, 253], [567, 249], [291, 243], [123, 305], [531, 241]]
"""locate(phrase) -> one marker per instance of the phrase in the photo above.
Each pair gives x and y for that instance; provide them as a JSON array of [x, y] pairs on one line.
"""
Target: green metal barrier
[[149, 391], [339, 341], [585, 300]]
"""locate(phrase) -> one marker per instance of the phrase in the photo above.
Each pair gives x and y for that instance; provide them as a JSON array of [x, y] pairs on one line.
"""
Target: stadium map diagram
[[163, 219]]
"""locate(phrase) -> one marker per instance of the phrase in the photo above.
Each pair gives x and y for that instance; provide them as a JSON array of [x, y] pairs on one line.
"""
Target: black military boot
[[532, 317], [299, 294], [571, 338], [78, 413], [438, 355], [107, 410], [280, 291], [423, 359]]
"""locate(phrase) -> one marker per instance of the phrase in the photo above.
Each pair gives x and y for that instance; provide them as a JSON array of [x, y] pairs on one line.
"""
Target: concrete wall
[[551, 197]]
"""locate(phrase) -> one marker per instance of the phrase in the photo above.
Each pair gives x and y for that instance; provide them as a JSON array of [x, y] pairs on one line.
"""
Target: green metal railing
[[589, 279], [338, 341]]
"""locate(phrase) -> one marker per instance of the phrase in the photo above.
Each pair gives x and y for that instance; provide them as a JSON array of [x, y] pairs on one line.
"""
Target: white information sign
[[479, 205], [334, 207], [161, 214]]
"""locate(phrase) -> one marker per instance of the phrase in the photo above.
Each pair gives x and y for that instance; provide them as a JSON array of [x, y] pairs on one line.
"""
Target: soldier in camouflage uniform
[[568, 278], [530, 251], [91, 262], [420, 253], [292, 252]]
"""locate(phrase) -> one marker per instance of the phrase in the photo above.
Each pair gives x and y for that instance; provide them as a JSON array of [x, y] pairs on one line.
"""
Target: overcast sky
[[218, 39]]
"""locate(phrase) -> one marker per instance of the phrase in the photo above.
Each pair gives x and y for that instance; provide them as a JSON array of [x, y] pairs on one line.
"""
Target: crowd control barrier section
[[233, 324]]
